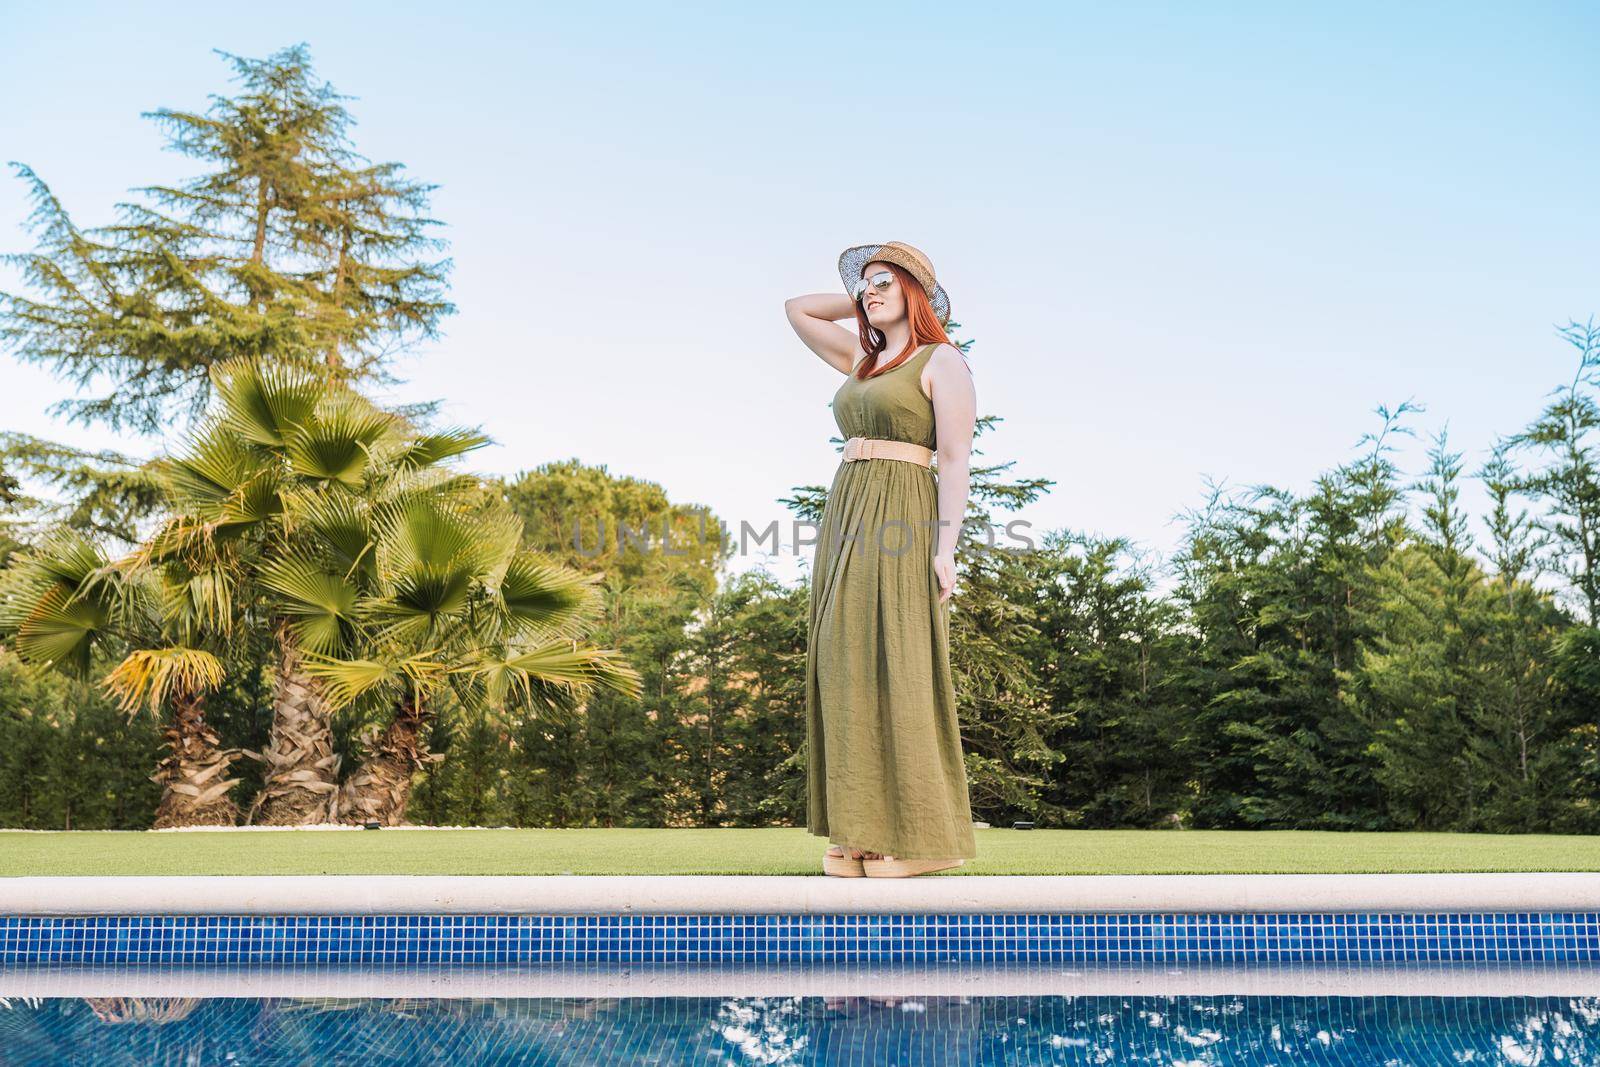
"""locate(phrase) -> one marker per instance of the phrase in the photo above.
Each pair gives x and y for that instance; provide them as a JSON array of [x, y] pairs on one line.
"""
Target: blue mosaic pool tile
[[408, 940]]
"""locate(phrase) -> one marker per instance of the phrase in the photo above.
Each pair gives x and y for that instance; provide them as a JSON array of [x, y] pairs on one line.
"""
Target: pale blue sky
[[1187, 239]]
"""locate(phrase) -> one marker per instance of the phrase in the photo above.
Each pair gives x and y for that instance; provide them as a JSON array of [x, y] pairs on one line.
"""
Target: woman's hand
[[944, 565]]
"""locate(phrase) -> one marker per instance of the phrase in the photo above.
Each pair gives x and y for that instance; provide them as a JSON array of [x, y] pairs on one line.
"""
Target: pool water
[[1426, 1031]]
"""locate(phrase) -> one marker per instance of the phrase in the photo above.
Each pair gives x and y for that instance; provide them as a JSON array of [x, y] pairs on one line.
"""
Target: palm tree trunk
[[194, 776], [302, 779], [380, 789]]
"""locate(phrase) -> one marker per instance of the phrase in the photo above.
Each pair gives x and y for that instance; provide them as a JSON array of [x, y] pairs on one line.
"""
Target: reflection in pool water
[[853, 1031]]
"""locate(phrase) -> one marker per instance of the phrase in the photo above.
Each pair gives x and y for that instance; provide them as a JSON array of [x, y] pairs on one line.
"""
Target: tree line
[[312, 610]]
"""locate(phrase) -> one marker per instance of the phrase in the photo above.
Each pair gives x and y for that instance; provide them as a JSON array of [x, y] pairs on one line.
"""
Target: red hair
[[925, 328]]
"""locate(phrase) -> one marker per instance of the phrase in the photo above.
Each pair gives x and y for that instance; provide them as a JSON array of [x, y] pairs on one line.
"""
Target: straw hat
[[901, 255]]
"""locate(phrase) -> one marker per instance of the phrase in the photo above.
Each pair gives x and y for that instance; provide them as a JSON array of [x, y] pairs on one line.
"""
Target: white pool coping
[[783, 895], [815, 980]]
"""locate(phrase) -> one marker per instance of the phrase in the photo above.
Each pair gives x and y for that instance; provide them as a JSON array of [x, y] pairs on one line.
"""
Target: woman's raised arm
[[815, 318]]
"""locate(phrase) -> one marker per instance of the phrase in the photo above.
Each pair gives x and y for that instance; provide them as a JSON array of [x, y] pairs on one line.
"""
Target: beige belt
[[879, 448]]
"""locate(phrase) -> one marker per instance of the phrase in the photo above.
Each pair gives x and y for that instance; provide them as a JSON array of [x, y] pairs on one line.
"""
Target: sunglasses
[[879, 281]]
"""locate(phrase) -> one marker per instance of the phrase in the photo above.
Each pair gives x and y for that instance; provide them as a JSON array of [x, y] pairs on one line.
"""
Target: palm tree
[[446, 598], [64, 605], [281, 448]]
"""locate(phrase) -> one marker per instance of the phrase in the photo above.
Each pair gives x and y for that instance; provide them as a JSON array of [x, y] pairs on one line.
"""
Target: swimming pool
[[854, 1031], [1386, 969]]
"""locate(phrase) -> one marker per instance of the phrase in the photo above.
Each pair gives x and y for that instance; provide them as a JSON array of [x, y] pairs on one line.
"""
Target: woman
[[886, 784]]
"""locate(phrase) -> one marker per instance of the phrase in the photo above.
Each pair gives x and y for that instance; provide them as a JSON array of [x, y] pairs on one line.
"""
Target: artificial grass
[[772, 851]]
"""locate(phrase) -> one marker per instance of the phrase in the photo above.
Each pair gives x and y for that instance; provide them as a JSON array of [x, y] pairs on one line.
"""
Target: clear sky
[[1186, 239]]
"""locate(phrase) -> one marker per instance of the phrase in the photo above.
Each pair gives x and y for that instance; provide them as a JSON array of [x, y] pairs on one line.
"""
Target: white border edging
[[793, 895], [818, 980]]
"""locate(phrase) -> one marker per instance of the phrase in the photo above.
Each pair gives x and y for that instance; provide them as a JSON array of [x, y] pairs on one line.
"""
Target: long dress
[[884, 768]]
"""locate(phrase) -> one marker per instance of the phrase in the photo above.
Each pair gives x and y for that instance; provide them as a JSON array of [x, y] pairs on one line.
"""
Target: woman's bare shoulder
[[949, 353]]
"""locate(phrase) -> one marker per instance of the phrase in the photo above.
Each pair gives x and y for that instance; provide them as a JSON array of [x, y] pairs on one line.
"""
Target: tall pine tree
[[287, 245], [1567, 434]]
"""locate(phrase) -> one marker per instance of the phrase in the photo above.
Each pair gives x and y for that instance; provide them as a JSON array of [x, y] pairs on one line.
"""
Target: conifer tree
[[287, 246], [103, 493], [1568, 433], [1106, 651]]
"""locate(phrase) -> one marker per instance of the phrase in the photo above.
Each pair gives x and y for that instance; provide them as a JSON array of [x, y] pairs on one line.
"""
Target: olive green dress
[[884, 768]]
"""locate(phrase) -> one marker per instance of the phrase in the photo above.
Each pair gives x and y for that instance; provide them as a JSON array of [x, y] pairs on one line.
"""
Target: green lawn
[[782, 851]]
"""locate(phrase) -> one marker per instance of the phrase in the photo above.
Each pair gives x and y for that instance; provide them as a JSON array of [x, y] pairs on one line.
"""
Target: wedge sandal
[[838, 862], [893, 868]]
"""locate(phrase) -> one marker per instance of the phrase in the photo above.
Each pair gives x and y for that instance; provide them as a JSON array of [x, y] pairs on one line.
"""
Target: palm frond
[[431, 483], [257, 499], [264, 404], [179, 539], [345, 681], [335, 445], [149, 675], [61, 631], [200, 599], [430, 450], [425, 535], [58, 601], [560, 664], [321, 606], [539, 595], [210, 469], [66, 558]]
